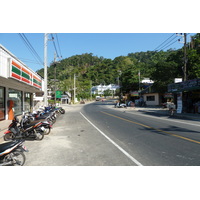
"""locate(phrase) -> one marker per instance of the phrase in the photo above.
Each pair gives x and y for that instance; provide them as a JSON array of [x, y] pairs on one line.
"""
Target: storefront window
[[16, 97], [2, 103], [27, 103]]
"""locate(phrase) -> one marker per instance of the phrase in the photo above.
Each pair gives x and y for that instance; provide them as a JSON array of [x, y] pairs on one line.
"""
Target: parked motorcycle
[[120, 105], [61, 110], [27, 119], [56, 109], [15, 131], [12, 153], [41, 115]]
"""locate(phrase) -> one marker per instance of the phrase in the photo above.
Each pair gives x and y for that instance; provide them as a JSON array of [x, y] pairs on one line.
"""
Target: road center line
[[172, 134], [168, 119], [116, 145]]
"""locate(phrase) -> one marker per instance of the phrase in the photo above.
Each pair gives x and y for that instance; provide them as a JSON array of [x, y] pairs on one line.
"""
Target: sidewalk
[[5, 123]]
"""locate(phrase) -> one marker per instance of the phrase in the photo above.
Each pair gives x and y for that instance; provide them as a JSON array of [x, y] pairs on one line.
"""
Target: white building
[[147, 80], [17, 85], [99, 89]]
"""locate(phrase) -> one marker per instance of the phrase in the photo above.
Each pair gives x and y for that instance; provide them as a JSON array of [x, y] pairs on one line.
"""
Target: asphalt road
[[99, 135]]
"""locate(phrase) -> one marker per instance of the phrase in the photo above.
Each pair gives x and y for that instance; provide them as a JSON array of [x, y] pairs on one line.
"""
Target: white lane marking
[[116, 145]]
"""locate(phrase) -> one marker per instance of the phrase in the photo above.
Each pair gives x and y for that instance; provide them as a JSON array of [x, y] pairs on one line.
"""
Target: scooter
[[56, 109], [40, 115], [120, 105], [12, 153], [27, 119], [15, 131]]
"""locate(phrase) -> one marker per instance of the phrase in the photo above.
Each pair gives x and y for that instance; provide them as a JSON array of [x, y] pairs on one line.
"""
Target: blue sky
[[108, 45]]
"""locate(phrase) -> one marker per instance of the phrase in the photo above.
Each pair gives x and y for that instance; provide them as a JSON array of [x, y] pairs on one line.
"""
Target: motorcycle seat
[[7, 145]]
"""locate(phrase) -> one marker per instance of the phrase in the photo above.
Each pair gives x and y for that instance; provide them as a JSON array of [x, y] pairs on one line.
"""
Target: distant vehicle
[[98, 98]]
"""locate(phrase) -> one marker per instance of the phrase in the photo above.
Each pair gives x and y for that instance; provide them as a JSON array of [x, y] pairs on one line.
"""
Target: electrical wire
[[167, 44], [30, 47], [29, 61], [164, 41], [58, 45], [54, 45], [170, 44]]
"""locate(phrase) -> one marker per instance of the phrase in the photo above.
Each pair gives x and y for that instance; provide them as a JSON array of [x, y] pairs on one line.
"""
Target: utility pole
[[139, 79], [120, 83], [91, 89], [55, 77], [185, 59], [185, 55], [74, 87], [45, 68]]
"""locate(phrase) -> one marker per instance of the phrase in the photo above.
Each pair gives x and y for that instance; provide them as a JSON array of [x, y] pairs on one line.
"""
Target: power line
[[29, 61], [164, 46], [54, 45], [170, 44], [177, 35], [167, 42], [30, 47], [164, 41], [58, 45]]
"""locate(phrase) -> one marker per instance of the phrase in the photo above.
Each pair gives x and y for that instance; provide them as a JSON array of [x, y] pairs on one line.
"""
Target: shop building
[[149, 93], [18, 83], [186, 95]]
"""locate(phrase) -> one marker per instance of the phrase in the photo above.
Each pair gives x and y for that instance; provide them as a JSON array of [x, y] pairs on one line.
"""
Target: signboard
[[24, 75], [37, 82], [179, 102], [58, 94], [168, 95], [134, 94], [184, 86], [177, 80]]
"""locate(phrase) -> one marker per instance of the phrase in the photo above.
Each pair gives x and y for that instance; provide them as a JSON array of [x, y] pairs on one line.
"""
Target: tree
[[164, 74], [107, 93]]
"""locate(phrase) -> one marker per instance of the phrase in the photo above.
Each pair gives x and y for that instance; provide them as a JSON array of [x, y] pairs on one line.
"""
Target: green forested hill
[[90, 70]]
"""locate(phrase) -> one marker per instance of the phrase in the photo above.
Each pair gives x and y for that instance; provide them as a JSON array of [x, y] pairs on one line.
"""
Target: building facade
[[17, 85], [186, 95], [99, 89]]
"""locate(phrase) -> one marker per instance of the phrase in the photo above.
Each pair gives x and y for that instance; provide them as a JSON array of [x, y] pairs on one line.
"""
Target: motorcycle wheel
[[17, 158], [53, 121], [39, 135], [8, 137], [47, 131], [62, 111]]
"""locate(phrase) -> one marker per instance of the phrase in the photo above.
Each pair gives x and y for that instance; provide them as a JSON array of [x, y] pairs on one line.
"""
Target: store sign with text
[[184, 86]]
